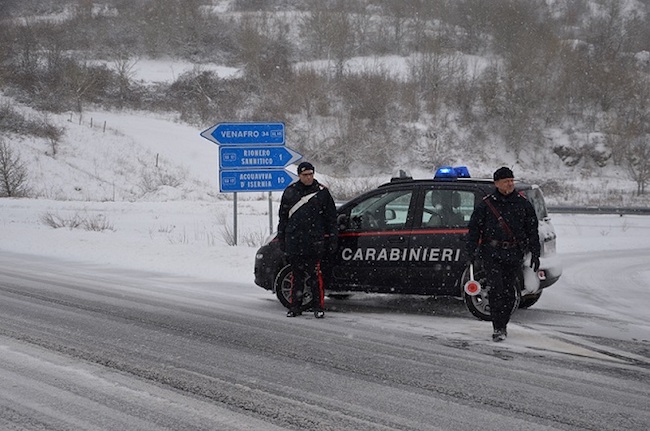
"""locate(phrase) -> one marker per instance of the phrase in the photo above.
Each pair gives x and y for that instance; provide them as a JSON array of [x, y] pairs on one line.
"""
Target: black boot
[[499, 334]]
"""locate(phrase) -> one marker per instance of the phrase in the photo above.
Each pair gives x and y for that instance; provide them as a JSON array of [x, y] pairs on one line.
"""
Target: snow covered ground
[[142, 191], [106, 180], [190, 238], [102, 187]]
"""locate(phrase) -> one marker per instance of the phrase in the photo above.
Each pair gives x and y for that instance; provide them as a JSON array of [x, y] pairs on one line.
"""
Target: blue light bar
[[462, 172], [445, 172], [452, 173]]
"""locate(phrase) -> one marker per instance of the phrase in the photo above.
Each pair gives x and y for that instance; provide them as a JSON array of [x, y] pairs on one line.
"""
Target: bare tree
[[368, 94], [200, 95], [425, 72], [329, 34], [6, 46], [84, 81], [6, 7], [308, 93], [84, 9], [27, 59], [638, 162], [252, 41], [401, 14], [340, 40], [52, 133], [13, 173], [124, 66]]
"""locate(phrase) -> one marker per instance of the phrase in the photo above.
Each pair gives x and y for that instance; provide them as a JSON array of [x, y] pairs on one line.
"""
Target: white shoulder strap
[[303, 200]]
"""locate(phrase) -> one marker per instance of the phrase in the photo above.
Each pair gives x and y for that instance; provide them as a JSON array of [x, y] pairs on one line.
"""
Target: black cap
[[305, 166], [503, 173]]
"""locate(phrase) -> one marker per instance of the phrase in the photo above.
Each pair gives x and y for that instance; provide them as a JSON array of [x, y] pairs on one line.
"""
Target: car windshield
[[382, 212]]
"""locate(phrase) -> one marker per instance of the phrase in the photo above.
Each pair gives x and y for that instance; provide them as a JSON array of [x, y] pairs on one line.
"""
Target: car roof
[[477, 182]]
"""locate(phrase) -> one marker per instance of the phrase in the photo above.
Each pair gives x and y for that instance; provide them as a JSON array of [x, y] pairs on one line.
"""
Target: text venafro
[[240, 133]]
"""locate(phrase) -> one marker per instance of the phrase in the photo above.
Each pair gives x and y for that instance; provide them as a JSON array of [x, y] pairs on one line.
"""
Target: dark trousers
[[501, 273], [306, 275]]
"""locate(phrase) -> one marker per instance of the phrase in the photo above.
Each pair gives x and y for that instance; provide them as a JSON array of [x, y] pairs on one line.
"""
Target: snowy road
[[88, 348]]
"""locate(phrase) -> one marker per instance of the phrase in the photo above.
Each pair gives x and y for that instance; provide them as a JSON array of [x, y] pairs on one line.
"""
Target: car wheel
[[479, 305], [530, 300], [282, 287]]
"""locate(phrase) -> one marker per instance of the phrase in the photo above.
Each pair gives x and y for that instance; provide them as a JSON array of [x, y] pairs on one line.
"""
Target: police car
[[408, 237]]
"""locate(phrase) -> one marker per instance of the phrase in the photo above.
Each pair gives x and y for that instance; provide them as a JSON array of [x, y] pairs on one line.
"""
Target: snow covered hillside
[[548, 88]]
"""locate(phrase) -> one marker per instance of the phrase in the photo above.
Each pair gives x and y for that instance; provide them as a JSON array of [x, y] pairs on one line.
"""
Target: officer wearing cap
[[502, 229], [306, 230]]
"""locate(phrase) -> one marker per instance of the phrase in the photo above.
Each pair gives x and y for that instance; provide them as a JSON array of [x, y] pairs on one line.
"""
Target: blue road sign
[[250, 157], [257, 180], [246, 134]]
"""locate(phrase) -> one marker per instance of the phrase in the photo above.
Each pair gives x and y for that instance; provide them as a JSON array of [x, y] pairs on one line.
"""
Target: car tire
[[282, 288], [479, 305], [530, 300]]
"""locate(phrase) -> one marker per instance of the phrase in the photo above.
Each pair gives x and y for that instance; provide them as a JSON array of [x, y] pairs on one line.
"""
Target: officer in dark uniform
[[306, 230], [502, 229]]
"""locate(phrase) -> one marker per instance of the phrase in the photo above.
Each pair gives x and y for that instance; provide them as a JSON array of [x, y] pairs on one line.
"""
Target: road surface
[[85, 347]]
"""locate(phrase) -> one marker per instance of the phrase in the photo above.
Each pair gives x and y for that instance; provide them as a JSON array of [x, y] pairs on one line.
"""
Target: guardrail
[[599, 210]]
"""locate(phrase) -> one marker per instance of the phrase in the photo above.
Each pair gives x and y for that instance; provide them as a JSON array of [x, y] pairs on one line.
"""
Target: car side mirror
[[342, 220], [390, 214]]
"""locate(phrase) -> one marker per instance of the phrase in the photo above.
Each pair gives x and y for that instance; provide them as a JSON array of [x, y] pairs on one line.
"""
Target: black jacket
[[304, 232], [518, 214]]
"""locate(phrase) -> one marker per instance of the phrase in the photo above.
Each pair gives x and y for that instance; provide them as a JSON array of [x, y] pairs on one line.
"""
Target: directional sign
[[256, 157], [246, 133], [258, 180]]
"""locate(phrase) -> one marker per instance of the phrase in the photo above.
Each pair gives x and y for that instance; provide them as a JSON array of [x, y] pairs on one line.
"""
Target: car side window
[[385, 211], [447, 208]]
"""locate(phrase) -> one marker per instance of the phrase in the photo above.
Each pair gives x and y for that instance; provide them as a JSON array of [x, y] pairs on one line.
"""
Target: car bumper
[[550, 271], [268, 262]]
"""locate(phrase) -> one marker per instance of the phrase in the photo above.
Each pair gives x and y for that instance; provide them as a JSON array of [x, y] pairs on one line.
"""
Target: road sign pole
[[270, 214], [234, 218]]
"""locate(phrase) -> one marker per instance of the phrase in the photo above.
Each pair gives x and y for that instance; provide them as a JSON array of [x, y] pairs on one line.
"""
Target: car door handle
[[396, 240]]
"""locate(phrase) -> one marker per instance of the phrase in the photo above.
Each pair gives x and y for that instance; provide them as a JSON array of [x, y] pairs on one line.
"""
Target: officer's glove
[[534, 263], [332, 244]]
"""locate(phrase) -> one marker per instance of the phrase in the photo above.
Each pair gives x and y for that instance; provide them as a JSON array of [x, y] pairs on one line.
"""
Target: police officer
[[306, 230], [503, 227]]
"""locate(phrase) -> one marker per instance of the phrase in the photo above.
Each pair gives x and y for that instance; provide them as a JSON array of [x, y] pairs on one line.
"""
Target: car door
[[438, 238], [373, 238]]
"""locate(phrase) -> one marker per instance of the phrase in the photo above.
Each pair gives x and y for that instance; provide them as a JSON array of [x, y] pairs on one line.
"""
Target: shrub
[[97, 223], [13, 173]]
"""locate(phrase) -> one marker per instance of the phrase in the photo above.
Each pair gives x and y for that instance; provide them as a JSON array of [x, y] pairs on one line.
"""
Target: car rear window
[[536, 198]]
